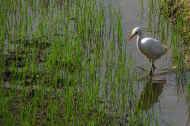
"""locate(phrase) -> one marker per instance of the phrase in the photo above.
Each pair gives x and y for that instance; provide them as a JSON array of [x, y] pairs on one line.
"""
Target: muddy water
[[164, 99]]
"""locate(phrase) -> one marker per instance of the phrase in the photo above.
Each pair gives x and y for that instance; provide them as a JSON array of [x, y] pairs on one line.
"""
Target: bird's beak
[[131, 36]]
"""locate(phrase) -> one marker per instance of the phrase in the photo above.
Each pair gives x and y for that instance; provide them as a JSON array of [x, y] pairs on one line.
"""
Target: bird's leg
[[153, 67]]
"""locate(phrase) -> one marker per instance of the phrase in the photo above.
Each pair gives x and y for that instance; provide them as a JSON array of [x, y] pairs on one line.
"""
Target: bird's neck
[[139, 38]]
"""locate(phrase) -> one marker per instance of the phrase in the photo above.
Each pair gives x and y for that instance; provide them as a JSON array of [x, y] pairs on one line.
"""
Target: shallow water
[[160, 95], [168, 98]]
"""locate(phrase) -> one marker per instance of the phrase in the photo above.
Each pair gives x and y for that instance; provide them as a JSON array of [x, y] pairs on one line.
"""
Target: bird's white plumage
[[152, 48]]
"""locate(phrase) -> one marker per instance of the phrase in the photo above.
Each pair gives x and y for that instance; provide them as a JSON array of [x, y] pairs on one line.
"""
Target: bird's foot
[[151, 72]]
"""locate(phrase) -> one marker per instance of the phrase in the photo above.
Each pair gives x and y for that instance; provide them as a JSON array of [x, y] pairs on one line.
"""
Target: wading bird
[[150, 47]]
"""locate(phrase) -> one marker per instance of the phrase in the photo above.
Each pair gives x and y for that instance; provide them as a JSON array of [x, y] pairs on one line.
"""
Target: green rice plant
[[67, 63]]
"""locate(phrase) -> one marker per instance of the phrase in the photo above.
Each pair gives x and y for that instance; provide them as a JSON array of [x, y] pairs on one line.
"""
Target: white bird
[[150, 47]]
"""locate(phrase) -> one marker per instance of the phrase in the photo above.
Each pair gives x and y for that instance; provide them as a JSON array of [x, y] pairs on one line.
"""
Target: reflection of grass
[[64, 64]]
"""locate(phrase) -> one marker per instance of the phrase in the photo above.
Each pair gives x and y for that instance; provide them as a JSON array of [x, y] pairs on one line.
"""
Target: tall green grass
[[65, 63]]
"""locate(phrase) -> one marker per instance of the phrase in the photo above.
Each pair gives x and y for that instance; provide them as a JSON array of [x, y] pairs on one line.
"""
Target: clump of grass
[[177, 13]]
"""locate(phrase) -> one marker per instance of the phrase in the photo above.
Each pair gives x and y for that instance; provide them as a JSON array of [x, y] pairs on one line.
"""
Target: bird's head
[[135, 31]]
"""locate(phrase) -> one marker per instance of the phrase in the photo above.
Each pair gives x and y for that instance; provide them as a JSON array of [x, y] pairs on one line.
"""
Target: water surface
[[165, 99]]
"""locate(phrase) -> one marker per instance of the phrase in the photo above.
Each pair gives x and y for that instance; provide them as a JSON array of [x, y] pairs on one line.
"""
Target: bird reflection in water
[[150, 94]]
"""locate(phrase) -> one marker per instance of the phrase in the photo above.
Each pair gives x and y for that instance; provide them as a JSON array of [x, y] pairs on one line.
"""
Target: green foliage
[[62, 62]]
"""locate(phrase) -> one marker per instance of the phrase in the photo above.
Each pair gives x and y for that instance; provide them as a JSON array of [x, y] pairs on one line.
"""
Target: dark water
[[162, 94]]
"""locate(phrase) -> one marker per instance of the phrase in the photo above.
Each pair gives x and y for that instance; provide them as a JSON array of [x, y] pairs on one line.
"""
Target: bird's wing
[[152, 48]]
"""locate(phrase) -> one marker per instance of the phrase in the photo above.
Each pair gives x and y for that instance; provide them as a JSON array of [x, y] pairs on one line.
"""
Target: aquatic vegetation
[[177, 12], [64, 62]]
